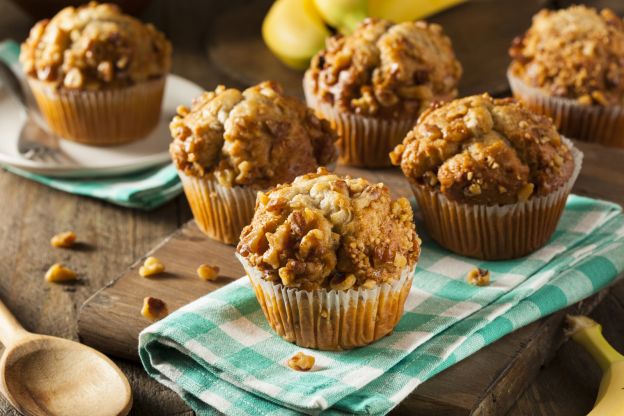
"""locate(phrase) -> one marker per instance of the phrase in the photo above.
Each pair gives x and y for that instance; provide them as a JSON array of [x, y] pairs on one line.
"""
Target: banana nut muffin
[[258, 137], [95, 46], [576, 53], [481, 150], [385, 69], [328, 231]]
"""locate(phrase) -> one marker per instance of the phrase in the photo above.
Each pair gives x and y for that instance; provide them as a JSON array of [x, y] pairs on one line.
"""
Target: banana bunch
[[588, 333], [294, 30]]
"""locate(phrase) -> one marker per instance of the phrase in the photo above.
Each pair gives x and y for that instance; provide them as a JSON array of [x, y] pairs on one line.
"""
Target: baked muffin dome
[[328, 231], [575, 53], [481, 150], [258, 137], [95, 46], [385, 69]]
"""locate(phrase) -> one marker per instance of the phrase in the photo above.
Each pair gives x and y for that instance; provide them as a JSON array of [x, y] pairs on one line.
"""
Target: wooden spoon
[[44, 375]]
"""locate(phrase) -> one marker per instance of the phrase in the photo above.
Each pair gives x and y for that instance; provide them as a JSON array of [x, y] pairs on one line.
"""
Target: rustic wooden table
[[30, 213]]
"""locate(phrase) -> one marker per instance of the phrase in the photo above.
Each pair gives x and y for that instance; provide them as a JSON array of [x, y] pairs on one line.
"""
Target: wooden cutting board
[[486, 383]]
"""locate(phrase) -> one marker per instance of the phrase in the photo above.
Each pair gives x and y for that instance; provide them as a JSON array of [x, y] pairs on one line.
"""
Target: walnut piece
[[301, 362], [63, 240], [154, 309], [59, 274], [208, 272], [478, 277], [151, 266]]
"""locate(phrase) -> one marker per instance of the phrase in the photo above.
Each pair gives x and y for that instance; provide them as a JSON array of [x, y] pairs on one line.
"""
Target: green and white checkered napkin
[[219, 352], [144, 190]]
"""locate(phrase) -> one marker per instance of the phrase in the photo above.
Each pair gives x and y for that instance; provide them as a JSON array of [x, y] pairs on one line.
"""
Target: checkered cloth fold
[[220, 354]]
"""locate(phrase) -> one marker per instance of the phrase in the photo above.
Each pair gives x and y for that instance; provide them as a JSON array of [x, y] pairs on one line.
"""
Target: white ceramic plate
[[93, 161]]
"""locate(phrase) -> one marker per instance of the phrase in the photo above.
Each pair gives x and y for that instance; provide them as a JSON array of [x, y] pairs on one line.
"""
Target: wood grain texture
[[487, 383]]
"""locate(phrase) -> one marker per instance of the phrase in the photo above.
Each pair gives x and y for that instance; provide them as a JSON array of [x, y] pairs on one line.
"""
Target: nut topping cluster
[[328, 231]]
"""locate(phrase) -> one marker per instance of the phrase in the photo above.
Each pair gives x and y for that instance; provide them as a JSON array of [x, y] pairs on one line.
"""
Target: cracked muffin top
[[329, 231], [481, 150], [95, 46], [575, 53], [385, 69], [257, 137]]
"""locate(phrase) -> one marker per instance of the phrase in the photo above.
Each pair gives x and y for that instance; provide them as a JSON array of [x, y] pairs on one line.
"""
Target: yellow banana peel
[[343, 14], [588, 333], [405, 10], [294, 31]]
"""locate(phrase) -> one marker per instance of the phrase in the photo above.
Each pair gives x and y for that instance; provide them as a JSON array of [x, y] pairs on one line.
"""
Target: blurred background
[[219, 41]]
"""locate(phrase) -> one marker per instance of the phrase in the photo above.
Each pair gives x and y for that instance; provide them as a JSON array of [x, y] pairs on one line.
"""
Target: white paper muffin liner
[[364, 141], [591, 123], [495, 232], [220, 212], [331, 320], [101, 117]]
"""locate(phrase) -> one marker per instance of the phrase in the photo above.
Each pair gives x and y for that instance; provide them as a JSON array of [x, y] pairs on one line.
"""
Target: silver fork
[[34, 142]]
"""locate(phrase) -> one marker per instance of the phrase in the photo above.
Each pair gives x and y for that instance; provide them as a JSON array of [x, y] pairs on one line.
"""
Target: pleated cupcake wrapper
[[101, 118], [364, 141], [220, 212], [331, 320], [495, 232], [591, 123]]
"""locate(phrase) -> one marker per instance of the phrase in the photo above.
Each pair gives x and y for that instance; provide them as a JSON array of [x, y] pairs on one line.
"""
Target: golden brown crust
[[257, 137], [328, 231], [95, 47], [481, 150], [575, 53], [385, 69]]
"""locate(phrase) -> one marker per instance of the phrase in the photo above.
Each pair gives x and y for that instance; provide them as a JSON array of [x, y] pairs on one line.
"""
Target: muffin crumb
[[576, 53], [492, 152], [151, 267], [301, 362], [385, 70], [478, 277], [94, 46], [154, 309], [208, 272], [58, 273], [64, 240], [328, 231], [258, 137]]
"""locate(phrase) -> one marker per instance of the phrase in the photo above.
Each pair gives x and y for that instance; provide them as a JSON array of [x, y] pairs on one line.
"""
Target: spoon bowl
[[41, 375]]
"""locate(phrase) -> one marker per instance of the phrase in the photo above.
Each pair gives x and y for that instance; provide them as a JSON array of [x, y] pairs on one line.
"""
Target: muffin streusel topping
[[385, 69], [257, 137], [95, 46], [482, 150], [328, 231], [576, 53]]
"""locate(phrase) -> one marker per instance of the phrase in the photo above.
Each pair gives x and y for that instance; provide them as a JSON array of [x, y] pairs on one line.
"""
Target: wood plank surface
[[487, 383]]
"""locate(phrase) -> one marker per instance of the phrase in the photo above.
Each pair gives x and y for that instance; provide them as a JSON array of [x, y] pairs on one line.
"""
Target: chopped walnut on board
[[154, 309]]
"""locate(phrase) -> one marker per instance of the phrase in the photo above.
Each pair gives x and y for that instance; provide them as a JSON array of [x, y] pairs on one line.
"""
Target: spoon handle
[[10, 330]]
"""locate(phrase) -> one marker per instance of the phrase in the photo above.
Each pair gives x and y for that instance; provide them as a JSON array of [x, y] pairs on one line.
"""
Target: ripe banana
[[404, 10], [343, 14], [294, 31], [588, 333]]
